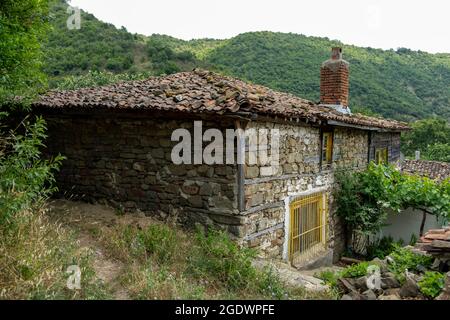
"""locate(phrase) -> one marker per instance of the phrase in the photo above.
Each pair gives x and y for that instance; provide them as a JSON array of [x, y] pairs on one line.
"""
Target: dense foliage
[[22, 29], [432, 284], [95, 46], [97, 78], [25, 177], [429, 136], [364, 198], [405, 259], [402, 84]]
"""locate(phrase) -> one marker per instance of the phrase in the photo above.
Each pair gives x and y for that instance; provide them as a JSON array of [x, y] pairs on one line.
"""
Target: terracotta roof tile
[[202, 91], [432, 169]]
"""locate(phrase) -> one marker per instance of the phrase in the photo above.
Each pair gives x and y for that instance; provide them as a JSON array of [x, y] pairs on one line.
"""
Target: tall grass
[[164, 262], [34, 260], [34, 252]]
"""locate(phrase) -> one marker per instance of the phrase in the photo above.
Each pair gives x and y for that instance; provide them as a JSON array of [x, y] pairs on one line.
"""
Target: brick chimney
[[334, 82]]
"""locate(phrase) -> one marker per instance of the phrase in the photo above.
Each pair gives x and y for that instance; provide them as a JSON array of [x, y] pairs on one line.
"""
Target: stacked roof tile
[[202, 91], [432, 169]]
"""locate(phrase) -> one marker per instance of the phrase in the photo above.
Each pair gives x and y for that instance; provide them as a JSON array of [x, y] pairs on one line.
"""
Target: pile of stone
[[436, 242], [386, 287]]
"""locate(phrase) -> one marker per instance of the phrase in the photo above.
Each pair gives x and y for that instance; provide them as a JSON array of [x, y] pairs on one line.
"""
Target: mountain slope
[[400, 84]]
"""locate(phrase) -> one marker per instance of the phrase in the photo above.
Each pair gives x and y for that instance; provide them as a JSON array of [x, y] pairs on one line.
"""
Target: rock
[[163, 215], [221, 202], [361, 284], [382, 264], [138, 167], [354, 296], [390, 260], [370, 295], [196, 201], [389, 297], [267, 171], [409, 289], [347, 285], [251, 172], [190, 188], [390, 292], [256, 199], [389, 282], [388, 275], [206, 190]]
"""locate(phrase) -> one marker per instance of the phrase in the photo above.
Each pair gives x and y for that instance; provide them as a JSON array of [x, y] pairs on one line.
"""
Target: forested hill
[[401, 84]]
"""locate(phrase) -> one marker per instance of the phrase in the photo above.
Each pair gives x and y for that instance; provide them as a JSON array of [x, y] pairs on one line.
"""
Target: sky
[[418, 25]]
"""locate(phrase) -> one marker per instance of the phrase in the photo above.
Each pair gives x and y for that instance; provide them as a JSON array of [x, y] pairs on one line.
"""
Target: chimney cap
[[335, 60], [336, 53]]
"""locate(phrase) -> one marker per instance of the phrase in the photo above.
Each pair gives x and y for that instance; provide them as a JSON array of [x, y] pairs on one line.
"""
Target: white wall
[[402, 225]]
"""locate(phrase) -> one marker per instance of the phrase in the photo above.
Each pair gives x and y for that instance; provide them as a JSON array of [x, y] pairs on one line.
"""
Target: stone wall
[[127, 162], [300, 170]]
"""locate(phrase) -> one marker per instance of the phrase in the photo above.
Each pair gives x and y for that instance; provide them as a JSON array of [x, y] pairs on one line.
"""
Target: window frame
[[326, 147], [308, 216], [381, 155]]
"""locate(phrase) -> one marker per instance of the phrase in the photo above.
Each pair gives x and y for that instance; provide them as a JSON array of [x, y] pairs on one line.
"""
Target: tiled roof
[[432, 169], [202, 91]]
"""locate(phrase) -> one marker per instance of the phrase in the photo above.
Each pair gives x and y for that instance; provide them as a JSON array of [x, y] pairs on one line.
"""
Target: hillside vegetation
[[401, 84]]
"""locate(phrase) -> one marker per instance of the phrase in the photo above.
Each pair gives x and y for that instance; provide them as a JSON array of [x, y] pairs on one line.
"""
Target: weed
[[159, 240], [34, 260], [217, 256], [432, 284], [405, 259]]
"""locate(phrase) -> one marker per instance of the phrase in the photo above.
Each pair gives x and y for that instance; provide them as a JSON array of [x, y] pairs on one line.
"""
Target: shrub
[[270, 284], [217, 256], [432, 284], [329, 277], [355, 271], [405, 259], [380, 248], [364, 198], [25, 178], [34, 260], [159, 240]]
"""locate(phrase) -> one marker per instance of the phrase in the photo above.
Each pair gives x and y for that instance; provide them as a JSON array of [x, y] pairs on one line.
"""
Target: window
[[327, 147], [307, 231], [381, 155]]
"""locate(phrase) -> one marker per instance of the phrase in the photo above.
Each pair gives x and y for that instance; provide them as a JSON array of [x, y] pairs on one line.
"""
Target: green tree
[[431, 137], [24, 177], [23, 26], [438, 152]]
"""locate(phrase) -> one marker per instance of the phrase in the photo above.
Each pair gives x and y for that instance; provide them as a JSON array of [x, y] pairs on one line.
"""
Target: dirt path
[[87, 221], [106, 269]]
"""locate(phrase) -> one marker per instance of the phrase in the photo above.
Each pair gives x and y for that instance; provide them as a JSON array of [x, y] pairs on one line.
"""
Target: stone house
[[118, 144]]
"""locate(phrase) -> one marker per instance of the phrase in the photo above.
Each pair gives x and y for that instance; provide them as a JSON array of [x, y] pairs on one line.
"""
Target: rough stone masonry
[[117, 141]]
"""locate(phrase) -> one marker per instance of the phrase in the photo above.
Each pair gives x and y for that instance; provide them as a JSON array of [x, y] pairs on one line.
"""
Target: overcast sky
[[414, 24]]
